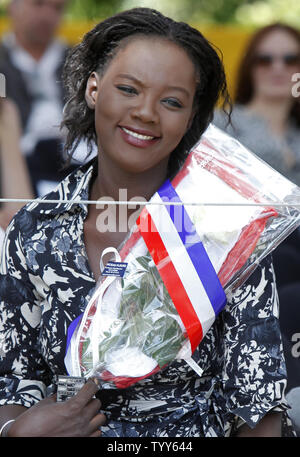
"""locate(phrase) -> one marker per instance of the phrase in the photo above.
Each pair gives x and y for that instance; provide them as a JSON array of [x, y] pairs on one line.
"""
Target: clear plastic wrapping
[[199, 238]]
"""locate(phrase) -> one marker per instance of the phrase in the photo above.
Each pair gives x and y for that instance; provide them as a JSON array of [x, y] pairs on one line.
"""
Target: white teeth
[[137, 135]]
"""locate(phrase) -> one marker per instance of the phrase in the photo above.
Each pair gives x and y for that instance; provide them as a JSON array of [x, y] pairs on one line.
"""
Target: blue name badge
[[114, 269]]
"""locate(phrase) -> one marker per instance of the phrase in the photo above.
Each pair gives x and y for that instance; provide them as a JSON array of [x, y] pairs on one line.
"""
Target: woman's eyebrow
[[138, 81], [132, 78]]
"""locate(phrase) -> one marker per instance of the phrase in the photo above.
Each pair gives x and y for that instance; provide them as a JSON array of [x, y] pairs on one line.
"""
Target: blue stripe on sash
[[71, 330], [195, 249]]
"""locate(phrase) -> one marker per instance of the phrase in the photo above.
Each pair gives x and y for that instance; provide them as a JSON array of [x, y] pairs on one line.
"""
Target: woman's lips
[[140, 138]]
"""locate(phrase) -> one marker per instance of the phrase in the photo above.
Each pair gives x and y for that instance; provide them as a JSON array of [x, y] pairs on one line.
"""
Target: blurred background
[[226, 23]]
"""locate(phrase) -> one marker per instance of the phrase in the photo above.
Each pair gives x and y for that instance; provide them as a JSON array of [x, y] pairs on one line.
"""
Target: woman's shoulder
[[59, 201], [75, 186]]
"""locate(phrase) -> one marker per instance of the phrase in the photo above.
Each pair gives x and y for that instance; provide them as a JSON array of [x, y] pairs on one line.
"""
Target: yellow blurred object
[[231, 41]]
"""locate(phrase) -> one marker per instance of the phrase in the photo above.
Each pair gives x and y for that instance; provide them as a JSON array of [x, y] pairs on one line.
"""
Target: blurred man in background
[[32, 58]]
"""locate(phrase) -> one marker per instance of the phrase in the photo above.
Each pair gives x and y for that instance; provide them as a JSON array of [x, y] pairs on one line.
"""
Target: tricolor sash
[[182, 262]]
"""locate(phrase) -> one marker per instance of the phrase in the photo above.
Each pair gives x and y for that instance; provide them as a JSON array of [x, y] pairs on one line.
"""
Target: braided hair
[[101, 44]]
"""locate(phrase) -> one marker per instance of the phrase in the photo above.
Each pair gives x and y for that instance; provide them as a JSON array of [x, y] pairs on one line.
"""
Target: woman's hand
[[78, 416], [269, 426]]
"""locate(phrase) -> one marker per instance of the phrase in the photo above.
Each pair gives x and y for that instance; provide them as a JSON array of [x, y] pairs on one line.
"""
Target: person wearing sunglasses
[[266, 119], [266, 113]]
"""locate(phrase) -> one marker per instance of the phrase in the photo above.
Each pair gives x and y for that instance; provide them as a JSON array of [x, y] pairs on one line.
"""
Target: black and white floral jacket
[[46, 282]]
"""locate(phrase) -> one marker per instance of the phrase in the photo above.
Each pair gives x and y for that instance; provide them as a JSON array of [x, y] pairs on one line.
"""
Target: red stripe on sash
[[170, 278]]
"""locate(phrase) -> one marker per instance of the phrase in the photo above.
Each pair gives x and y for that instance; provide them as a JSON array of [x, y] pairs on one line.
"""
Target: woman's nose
[[146, 110]]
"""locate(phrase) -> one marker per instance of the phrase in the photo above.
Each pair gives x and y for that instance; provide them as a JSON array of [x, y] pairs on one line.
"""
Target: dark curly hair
[[102, 43]]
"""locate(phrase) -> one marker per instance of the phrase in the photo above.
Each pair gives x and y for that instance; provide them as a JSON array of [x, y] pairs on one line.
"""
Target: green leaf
[[148, 315]]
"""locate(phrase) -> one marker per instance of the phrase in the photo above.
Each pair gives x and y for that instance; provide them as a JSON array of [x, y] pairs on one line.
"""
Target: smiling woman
[[143, 101], [143, 104], [142, 88], [100, 46]]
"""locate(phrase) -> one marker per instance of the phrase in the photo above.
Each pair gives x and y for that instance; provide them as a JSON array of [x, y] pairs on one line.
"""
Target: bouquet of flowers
[[199, 237]]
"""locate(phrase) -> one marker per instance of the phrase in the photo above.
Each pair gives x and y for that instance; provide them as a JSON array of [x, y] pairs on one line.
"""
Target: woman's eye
[[172, 102], [127, 89]]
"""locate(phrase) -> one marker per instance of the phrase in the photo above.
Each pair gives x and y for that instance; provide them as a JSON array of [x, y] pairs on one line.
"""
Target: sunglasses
[[266, 60]]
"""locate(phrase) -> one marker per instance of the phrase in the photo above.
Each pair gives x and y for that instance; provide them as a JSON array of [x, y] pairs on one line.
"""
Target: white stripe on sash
[[182, 263]]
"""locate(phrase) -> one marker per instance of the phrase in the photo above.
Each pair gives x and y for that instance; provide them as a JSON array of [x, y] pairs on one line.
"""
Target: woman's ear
[[92, 90]]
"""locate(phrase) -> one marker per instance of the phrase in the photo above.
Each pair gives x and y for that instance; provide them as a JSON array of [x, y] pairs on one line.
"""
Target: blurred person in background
[[266, 119], [14, 177], [266, 116], [31, 58]]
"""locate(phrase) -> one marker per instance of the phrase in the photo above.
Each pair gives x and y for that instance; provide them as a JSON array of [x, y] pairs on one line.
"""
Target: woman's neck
[[114, 183], [274, 112]]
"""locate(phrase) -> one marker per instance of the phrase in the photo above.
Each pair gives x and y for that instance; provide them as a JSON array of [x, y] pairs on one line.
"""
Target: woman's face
[[143, 104], [277, 58]]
